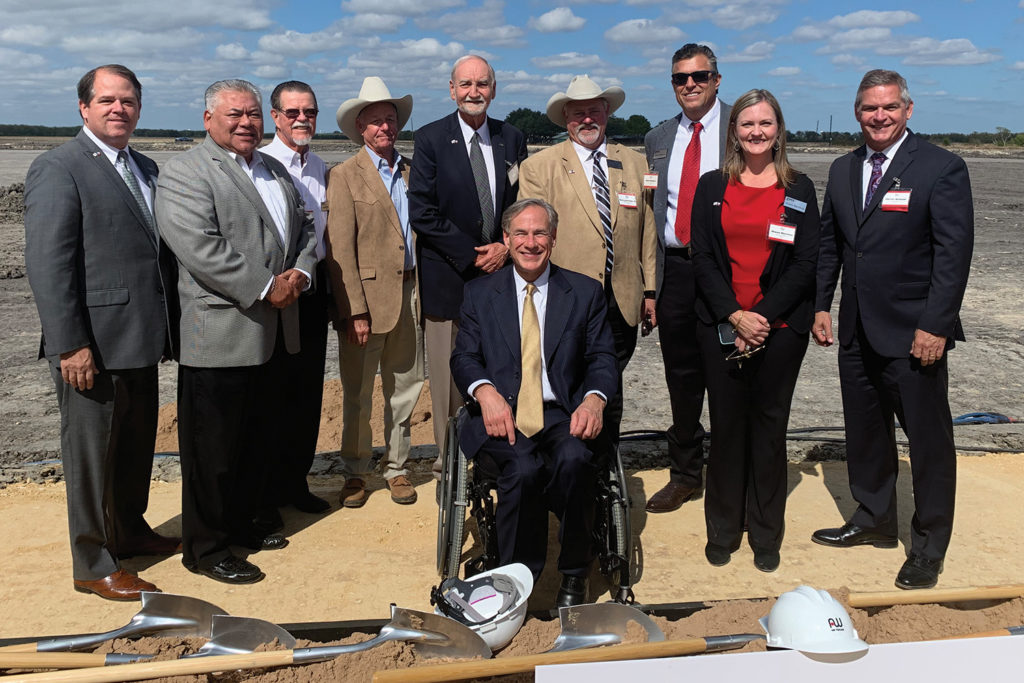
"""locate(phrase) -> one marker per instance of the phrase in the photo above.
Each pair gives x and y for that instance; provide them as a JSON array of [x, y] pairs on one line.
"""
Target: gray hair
[[231, 85], [691, 50], [524, 204], [465, 58], [877, 77]]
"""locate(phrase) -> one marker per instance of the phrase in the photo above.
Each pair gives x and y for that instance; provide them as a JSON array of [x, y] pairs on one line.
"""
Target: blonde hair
[[734, 163]]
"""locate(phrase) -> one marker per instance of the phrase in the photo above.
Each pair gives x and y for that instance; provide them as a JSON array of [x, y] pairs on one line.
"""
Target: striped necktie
[[483, 188], [604, 207], [877, 159]]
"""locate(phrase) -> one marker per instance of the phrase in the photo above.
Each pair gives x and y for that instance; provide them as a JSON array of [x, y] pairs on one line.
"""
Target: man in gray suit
[[245, 248], [680, 150], [99, 279]]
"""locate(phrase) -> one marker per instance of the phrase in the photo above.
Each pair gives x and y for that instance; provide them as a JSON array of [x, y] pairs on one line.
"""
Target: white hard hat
[[811, 620], [492, 604]]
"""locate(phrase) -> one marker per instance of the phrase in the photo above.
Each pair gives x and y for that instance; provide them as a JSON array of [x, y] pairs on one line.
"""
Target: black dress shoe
[[717, 555], [919, 572], [850, 535], [309, 503], [766, 560], [671, 497], [232, 570], [572, 592], [268, 542]]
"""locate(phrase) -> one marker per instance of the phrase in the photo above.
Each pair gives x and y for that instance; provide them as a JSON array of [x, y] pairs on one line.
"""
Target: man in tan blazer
[[606, 223], [372, 263]]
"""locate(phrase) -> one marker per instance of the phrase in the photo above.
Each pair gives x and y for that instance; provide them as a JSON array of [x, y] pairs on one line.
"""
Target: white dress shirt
[[865, 176], [309, 177], [485, 149], [587, 159], [709, 155], [111, 154]]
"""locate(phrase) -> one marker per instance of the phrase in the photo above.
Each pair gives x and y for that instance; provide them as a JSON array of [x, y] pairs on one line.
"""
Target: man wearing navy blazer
[[456, 219], [695, 82], [898, 221], [555, 467], [104, 289]]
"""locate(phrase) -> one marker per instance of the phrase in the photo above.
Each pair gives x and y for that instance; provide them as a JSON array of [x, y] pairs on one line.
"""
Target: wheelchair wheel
[[617, 546], [451, 512]]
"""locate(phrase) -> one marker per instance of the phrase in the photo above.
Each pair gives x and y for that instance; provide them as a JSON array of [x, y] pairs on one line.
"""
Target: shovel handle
[[920, 597], [512, 665], [62, 660], [142, 671]]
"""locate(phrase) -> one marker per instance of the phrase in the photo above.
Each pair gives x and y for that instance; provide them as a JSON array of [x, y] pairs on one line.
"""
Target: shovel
[[594, 625], [164, 613], [431, 635]]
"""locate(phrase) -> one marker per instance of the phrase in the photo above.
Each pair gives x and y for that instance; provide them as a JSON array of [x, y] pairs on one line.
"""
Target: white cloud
[[858, 39], [575, 61], [740, 17], [127, 43], [485, 24], [929, 51], [755, 52], [866, 18], [847, 60], [27, 34], [63, 15], [558, 19], [271, 71], [784, 71], [1018, 66], [643, 31], [232, 51], [502, 36], [301, 44], [371, 23], [405, 8], [15, 59]]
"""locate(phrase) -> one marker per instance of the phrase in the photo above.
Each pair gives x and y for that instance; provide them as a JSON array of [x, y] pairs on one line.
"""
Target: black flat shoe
[[767, 560], [850, 535], [257, 543], [717, 555], [919, 572], [232, 570], [572, 592]]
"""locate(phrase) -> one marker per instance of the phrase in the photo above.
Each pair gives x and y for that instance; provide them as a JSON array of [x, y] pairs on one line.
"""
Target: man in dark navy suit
[[464, 173], [535, 360], [898, 221]]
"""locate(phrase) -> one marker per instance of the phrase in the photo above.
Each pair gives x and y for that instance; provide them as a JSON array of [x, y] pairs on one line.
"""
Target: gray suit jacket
[[658, 147], [227, 246], [94, 265]]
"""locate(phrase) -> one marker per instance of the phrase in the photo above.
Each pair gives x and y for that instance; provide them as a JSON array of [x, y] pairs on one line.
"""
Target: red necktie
[[687, 185]]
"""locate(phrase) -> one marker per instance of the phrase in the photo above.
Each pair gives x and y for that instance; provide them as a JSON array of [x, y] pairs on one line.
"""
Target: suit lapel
[[573, 171], [238, 177], [614, 180], [498, 150], [505, 306], [897, 166], [371, 176], [102, 163], [559, 307]]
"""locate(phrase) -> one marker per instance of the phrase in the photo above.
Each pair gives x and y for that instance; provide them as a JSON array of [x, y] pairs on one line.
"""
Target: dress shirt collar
[[248, 166], [708, 120], [541, 283], [108, 151], [889, 151], [585, 153], [378, 159], [285, 154], [467, 131]]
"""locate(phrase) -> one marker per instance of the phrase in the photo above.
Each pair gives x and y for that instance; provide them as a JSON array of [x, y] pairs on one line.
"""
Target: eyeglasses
[[294, 113], [743, 355], [680, 78]]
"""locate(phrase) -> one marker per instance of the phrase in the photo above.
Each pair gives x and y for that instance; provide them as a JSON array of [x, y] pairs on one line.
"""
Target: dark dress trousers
[[901, 271], [750, 401], [551, 470], [102, 279]]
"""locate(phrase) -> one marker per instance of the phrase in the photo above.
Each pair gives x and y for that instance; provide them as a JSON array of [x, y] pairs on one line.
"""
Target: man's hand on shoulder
[[78, 368], [587, 419], [491, 256], [497, 414], [927, 347]]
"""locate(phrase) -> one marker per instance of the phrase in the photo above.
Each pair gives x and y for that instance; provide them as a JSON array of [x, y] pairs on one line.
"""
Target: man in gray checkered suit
[[245, 248]]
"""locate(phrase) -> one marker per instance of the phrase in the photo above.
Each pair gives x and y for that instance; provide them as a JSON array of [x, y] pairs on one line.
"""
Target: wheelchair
[[467, 491]]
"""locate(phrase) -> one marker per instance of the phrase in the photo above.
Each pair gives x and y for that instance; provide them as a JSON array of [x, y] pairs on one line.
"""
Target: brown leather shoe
[[120, 585], [670, 498], [402, 490], [354, 494], [154, 544]]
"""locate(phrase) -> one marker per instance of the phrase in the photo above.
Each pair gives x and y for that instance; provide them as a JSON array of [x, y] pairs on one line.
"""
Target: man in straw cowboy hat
[[607, 224], [372, 267]]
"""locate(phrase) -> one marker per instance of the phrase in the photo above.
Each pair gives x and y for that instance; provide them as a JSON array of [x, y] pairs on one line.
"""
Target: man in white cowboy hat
[[294, 110], [605, 215], [372, 267]]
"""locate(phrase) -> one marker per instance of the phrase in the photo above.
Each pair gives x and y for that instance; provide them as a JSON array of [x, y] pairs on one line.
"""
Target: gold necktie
[[530, 409]]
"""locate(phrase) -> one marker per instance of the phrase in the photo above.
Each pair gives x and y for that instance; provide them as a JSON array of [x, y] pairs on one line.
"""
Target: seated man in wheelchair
[[535, 361]]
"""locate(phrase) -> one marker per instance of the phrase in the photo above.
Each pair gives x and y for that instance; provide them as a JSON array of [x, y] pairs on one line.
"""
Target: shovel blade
[[175, 615], [594, 625], [439, 636], [238, 635]]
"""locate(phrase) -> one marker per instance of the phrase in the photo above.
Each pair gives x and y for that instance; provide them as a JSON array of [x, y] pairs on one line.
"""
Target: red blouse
[[746, 212]]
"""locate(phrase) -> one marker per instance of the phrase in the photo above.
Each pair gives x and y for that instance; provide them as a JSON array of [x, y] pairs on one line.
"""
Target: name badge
[[659, 154], [651, 181], [781, 232], [795, 204], [513, 173], [896, 200], [627, 199]]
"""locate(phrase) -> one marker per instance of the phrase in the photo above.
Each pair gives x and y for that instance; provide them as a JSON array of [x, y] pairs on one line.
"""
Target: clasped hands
[[286, 288], [585, 423], [751, 329]]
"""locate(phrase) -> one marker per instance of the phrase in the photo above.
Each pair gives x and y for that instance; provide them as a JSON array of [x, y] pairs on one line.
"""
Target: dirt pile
[[12, 203]]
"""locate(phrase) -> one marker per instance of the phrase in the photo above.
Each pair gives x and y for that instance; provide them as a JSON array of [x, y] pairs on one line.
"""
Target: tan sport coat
[[365, 248], [557, 176]]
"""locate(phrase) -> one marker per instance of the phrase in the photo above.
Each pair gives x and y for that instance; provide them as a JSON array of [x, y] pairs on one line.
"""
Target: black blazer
[[578, 347], [444, 209], [902, 271], [787, 281]]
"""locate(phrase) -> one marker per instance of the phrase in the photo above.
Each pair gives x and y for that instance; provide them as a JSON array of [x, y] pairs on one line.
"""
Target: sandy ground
[[350, 564]]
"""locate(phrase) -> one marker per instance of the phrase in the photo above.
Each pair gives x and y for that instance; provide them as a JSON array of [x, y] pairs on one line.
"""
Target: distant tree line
[[537, 127]]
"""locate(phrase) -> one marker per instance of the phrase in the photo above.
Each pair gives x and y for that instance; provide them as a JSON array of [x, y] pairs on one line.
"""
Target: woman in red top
[[754, 235]]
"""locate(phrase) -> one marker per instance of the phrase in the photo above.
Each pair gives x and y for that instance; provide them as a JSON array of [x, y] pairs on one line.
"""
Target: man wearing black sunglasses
[[294, 110], [679, 151]]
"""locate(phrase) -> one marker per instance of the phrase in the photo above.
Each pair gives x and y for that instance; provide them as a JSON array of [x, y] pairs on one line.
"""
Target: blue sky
[[963, 60]]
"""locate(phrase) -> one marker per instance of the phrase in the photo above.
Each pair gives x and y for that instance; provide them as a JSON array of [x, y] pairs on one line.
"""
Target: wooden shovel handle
[[175, 667], [50, 660], [920, 597], [20, 647], [480, 668]]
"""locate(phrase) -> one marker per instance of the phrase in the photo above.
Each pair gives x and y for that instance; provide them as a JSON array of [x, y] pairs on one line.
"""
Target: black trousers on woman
[[749, 405]]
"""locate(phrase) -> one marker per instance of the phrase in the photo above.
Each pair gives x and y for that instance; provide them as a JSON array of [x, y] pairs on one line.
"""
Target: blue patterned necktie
[[877, 159]]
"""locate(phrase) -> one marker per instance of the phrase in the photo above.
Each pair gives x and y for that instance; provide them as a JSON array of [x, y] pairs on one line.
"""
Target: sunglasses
[[680, 78], [294, 113], [743, 355]]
